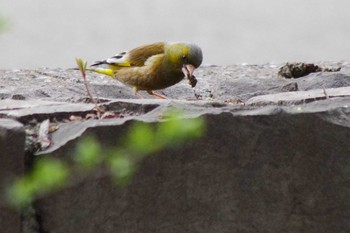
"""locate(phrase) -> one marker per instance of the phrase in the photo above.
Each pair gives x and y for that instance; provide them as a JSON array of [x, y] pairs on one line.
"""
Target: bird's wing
[[135, 57]]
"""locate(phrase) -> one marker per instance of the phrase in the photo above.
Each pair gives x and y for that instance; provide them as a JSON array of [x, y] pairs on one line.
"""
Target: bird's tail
[[108, 72]]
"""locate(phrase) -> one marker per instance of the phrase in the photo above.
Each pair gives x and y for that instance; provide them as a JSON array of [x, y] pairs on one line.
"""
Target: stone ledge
[[277, 163]]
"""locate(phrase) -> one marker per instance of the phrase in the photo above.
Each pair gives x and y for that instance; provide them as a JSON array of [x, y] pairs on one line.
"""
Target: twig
[[82, 67]]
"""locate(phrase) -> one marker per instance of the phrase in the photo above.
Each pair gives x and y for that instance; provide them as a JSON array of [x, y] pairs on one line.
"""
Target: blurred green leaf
[[21, 193], [3, 24], [88, 153], [145, 139], [177, 130], [47, 175], [141, 139], [81, 64], [122, 167]]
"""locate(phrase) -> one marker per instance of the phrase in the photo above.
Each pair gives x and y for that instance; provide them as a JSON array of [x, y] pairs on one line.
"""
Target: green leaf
[[177, 130], [88, 153], [122, 167], [47, 175], [4, 24], [81, 64], [140, 139]]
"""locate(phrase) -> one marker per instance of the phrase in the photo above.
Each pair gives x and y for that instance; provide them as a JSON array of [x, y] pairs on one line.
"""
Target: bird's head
[[184, 56]]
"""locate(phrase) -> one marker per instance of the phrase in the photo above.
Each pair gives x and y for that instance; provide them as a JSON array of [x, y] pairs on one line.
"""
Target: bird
[[153, 66]]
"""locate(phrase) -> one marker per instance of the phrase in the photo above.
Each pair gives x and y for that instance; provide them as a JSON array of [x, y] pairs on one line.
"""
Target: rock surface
[[11, 164], [277, 163]]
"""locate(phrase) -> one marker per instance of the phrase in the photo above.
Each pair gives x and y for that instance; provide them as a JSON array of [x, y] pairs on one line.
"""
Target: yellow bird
[[154, 66]]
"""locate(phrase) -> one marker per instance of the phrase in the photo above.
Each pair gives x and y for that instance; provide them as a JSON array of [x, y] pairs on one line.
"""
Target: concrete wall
[[272, 173], [11, 164]]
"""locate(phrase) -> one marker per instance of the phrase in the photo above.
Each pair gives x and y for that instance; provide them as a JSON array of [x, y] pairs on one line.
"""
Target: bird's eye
[[184, 57]]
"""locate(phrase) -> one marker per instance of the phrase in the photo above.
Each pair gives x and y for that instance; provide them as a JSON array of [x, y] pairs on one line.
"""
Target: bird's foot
[[156, 95], [139, 95]]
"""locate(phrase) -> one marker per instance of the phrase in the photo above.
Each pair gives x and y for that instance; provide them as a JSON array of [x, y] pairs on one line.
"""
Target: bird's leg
[[139, 95], [156, 95], [136, 92]]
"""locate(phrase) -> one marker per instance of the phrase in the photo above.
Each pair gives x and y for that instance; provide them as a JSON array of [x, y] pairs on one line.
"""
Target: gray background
[[44, 33]]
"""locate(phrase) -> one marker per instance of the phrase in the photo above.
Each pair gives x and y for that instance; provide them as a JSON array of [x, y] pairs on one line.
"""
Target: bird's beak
[[188, 70]]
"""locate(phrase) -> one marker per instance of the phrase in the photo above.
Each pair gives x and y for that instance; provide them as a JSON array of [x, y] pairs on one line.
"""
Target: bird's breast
[[144, 78]]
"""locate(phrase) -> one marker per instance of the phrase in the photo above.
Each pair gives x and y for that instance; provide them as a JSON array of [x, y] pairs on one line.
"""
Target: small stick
[[82, 67]]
